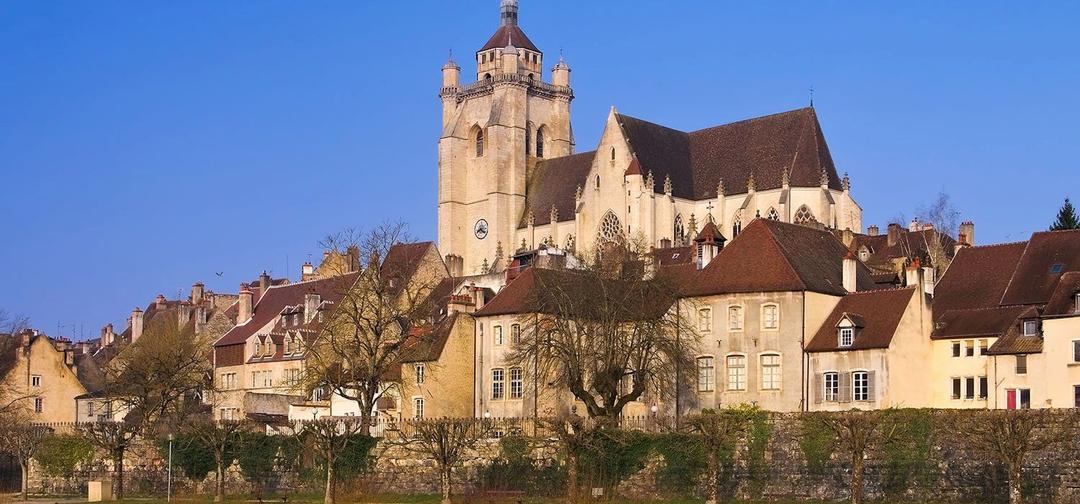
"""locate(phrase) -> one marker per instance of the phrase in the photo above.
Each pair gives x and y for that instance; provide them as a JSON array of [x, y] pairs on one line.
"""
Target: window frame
[[845, 332], [498, 385], [706, 364], [740, 372], [776, 317], [517, 385], [1033, 325], [855, 386], [740, 318], [1021, 364], [35, 381], [830, 394], [779, 369], [497, 335], [515, 334], [418, 407], [969, 388], [956, 388], [705, 319], [1076, 351], [419, 371], [957, 349]]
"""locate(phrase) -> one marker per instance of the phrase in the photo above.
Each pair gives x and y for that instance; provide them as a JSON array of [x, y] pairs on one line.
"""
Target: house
[[39, 373]]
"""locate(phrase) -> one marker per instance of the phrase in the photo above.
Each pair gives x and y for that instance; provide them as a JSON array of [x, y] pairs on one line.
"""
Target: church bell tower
[[494, 132]]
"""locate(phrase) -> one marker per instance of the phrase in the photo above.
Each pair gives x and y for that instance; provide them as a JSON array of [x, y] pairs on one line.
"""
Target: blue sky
[[148, 145]]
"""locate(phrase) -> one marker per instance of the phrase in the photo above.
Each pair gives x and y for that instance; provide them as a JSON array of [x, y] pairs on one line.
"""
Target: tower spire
[[508, 13]]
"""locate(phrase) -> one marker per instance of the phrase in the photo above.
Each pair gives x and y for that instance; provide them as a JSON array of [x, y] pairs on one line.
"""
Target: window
[[39, 405], [860, 386], [956, 349], [418, 408], [1076, 351], [540, 142], [983, 388], [498, 335], [35, 381], [770, 316], [864, 254], [832, 386], [90, 409], [704, 319], [258, 348], [1031, 328], [770, 372], [772, 214], [846, 337], [705, 370], [679, 231], [515, 334], [1021, 364], [969, 348], [984, 347], [735, 318], [516, 383], [292, 377], [479, 142], [612, 153], [1076, 396], [497, 383], [957, 388], [969, 387], [528, 140], [1025, 398], [610, 229], [228, 381], [1077, 306], [736, 366], [804, 216], [736, 224], [419, 369]]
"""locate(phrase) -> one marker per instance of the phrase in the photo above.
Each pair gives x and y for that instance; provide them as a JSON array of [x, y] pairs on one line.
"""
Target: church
[[511, 179]]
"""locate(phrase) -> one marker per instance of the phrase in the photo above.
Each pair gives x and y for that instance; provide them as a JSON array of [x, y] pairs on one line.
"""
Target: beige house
[[509, 176], [40, 373], [437, 371]]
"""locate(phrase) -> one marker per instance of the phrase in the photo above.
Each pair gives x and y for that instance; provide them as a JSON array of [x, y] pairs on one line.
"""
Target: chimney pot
[[136, 324], [967, 233], [893, 234], [197, 293], [264, 283], [244, 305], [872, 231]]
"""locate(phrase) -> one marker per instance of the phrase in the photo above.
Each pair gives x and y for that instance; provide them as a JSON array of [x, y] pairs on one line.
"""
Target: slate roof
[[1035, 277], [430, 341], [1063, 300], [536, 289], [976, 322], [773, 256], [1014, 342], [876, 314], [554, 182], [278, 297], [977, 277], [509, 35], [908, 243]]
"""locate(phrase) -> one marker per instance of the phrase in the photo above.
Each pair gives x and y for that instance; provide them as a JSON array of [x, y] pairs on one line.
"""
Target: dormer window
[[864, 254], [846, 337], [1031, 328], [257, 350]]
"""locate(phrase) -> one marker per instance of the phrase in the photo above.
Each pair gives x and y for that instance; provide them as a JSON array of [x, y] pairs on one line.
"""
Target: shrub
[[60, 455], [190, 454]]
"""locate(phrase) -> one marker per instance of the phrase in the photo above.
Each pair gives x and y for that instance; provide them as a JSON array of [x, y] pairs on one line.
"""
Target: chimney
[[264, 283], [460, 303], [914, 225], [136, 324], [848, 237], [455, 264], [243, 305], [311, 306], [913, 277], [69, 356], [967, 233], [107, 335], [894, 234], [928, 280], [159, 301], [183, 314], [197, 291], [478, 297], [353, 253], [665, 243], [872, 230], [200, 318], [851, 265], [307, 272]]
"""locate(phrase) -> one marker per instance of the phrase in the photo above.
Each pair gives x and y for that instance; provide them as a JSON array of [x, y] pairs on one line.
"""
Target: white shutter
[[845, 387], [818, 388], [871, 383]]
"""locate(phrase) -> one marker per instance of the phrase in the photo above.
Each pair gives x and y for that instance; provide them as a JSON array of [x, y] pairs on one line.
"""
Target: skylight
[[1057, 268]]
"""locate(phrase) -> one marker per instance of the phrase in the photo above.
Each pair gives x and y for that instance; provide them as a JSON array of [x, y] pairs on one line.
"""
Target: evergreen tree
[[1066, 218]]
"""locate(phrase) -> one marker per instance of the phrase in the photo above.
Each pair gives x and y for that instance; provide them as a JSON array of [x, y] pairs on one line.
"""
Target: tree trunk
[[118, 473], [219, 487], [446, 486], [25, 466], [856, 479], [713, 473], [330, 487], [571, 476], [1015, 497]]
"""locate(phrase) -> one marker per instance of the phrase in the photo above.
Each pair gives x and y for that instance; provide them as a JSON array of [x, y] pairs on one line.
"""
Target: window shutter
[[818, 388], [871, 384], [845, 387]]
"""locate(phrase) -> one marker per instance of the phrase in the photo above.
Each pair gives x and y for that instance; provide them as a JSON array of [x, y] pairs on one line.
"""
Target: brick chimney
[[928, 280], [183, 314], [914, 225], [872, 230], [893, 234], [914, 273], [200, 318], [353, 254], [197, 292], [307, 272], [243, 305], [264, 283], [460, 303], [851, 269], [967, 233], [107, 335], [136, 324], [455, 264], [478, 297], [160, 301], [848, 236], [311, 306]]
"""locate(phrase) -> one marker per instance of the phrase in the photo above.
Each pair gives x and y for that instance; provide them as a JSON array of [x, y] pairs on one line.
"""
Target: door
[[1010, 399]]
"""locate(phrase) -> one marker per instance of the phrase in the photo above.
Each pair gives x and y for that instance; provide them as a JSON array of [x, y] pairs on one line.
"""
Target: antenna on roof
[[811, 96]]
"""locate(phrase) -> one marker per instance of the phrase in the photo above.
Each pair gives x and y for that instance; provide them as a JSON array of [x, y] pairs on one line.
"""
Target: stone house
[[40, 373]]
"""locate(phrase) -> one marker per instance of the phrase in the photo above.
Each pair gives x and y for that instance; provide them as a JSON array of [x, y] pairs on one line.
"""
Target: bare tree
[[222, 437], [944, 217], [21, 437], [606, 333], [361, 342], [1008, 437], [857, 434], [449, 441], [719, 431], [330, 437], [114, 438], [11, 329]]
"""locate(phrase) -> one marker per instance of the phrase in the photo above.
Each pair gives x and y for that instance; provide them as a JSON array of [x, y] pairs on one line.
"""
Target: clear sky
[[148, 145]]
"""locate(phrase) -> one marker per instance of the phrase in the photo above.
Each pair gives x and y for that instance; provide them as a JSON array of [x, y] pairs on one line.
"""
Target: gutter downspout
[[678, 375], [805, 359]]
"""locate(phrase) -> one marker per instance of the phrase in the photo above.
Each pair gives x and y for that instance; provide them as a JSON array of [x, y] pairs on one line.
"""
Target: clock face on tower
[[480, 229]]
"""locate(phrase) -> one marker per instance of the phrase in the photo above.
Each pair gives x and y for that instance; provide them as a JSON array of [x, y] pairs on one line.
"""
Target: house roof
[[1013, 341], [1048, 256], [773, 256], [554, 182], [763, 146], [277, 297], [976, 322], [1063, 300], [908, 244], [509, 35], [977, 277], [402, 261], [536, 290], [877, 314], [429, 342]]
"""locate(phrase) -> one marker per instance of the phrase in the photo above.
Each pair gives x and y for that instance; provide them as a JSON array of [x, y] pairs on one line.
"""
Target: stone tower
[[494, 131]]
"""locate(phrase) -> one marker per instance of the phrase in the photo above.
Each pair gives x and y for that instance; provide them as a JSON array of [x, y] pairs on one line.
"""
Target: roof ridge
[[878, 291], [783, 252], [990, 245], [1016, 267], [732, 123]]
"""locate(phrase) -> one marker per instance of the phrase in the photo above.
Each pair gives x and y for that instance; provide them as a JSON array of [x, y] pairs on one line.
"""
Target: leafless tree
[[20, 437], [606, 333], [719, 431], [1008, 437], [361, 341], [11, 327], [222, 437], [857, 434], [330, 437], [449, 441], [114, 438], [944, 217]]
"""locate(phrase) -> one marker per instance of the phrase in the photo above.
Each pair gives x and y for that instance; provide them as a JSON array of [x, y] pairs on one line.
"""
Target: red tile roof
[[1046, 258], [537, 290], [976, 322], [1063, 301], [509, 35], [877, 313], [773, 256], [908, 244], [977, 277]]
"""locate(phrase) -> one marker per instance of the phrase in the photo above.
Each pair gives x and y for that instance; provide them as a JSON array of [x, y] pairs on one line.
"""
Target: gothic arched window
[[679, 231], [612, 153], [772, 214], [597, 181], [736, 224], [479, 141], [804, 216], [540, 142], [528, 139], [610, 229]]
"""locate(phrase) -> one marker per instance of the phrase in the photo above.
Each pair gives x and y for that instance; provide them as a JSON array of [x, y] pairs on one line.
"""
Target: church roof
[[763, 146], [554, 183], [509, 35]]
